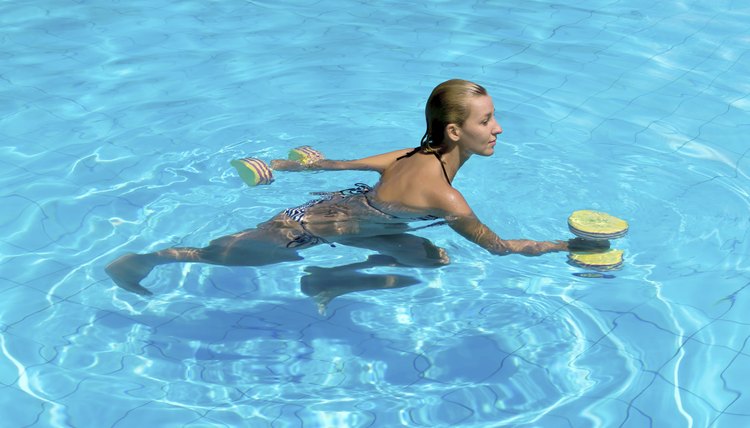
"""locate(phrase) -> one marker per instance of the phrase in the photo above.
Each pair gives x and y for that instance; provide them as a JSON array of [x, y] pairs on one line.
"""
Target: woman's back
[[411, 184]]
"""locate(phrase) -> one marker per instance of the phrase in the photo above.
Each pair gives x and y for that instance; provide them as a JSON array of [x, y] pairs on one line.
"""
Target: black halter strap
[[437, 155]]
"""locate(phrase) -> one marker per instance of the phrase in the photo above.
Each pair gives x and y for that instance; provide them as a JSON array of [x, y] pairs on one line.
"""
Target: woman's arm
[[377, 163], [462, 219], [471, 228]]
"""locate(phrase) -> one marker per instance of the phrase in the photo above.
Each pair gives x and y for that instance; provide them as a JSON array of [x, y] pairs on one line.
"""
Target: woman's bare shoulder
[[449, 202], [383, 161]]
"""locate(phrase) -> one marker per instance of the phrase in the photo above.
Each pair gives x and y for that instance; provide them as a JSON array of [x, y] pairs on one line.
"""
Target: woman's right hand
[[286, 165]]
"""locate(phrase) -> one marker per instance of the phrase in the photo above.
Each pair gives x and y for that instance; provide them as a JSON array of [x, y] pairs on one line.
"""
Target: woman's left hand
[[580, 244]]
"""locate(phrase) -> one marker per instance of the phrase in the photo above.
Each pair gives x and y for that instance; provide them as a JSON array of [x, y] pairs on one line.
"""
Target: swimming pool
[[118, 125]]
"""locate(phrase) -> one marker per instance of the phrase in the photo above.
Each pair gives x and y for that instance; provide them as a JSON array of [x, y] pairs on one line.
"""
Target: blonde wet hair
[[448, 103]]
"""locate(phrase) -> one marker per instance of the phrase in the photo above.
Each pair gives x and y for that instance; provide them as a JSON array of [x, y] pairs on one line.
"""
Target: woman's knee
[[435, 253], [432, 257]]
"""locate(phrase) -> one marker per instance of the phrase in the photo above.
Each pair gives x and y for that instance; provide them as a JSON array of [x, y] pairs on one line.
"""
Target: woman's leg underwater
[[407, 249], [404, 250], [325, 284], [248, 248]]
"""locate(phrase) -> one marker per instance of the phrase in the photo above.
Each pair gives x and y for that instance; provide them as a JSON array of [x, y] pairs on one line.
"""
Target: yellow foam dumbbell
[[253, 171], [305, 155]]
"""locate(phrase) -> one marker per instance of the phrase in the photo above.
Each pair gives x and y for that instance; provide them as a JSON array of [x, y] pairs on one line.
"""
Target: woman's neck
[[453, 159]]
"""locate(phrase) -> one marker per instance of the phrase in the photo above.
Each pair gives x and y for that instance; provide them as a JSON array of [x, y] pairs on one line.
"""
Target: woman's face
[[478, 134]]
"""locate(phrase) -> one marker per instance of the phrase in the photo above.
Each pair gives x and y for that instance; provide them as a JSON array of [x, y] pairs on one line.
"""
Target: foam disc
[[305, 155], [602, 261], [253, 171], [596, 225]]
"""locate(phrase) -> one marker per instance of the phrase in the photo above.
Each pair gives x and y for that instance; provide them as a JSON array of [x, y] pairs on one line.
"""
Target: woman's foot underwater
[[128, 271]]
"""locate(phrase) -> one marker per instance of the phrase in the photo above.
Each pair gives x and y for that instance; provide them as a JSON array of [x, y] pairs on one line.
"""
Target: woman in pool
[[414, 187]]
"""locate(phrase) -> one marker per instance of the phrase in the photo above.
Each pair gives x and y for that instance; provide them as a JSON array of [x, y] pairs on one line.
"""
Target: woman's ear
[[453, 132]]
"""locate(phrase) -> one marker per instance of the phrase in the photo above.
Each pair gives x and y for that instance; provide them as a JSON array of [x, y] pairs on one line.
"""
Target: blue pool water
[[118, 121]]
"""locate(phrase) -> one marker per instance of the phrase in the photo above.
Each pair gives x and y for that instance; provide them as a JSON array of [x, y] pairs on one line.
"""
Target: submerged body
[[348, 213], [354, 217]]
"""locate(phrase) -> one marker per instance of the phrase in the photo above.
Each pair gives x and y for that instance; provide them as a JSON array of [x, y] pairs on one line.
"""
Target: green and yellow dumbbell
[[254, 171]]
